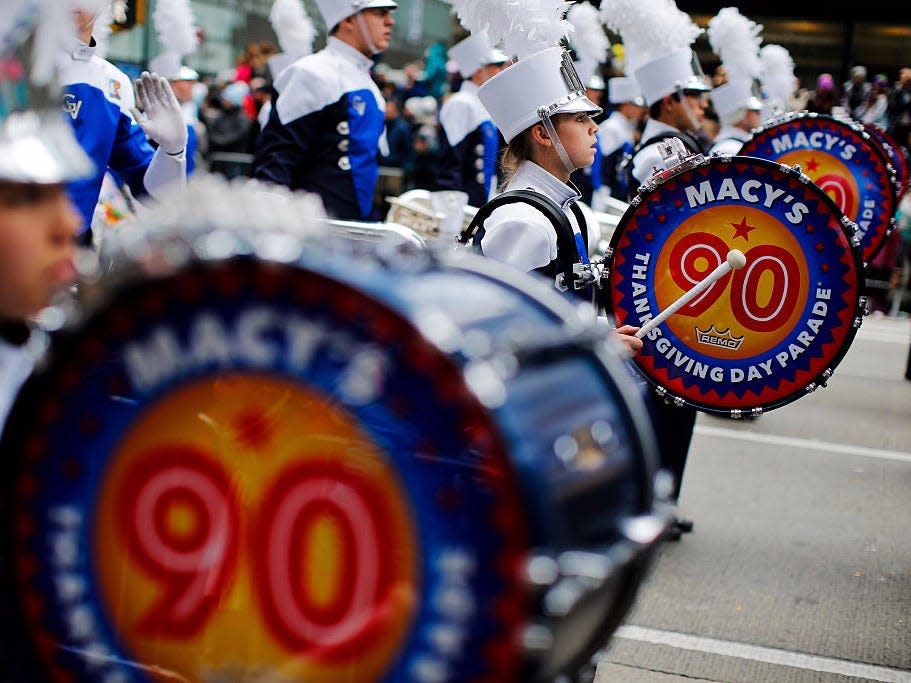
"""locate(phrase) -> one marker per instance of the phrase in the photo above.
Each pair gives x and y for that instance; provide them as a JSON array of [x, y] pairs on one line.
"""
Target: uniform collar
[[345, 51], [655, 127], [530, 175], [78, 50], [468, 87]]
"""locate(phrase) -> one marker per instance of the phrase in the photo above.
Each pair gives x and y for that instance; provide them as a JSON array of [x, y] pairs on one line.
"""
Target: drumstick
[[734, 261]]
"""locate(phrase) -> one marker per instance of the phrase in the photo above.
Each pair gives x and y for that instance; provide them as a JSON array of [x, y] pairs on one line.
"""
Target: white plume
[[735, 39], [102, 31], [777, 75], [518, 27], [649, 28], [293, 27], [176, 26], [589, 40]]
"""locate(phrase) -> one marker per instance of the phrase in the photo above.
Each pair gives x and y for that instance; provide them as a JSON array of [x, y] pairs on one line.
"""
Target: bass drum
[[324, 469], [894, 152], [840, 157], [761, 336]]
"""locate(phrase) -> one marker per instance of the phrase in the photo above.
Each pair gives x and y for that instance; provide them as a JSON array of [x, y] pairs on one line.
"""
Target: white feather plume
[[589, 39], [102, 31], [649, 28], [777, 74], [293, 27], [518, 27], [736, 39], [176, 26]]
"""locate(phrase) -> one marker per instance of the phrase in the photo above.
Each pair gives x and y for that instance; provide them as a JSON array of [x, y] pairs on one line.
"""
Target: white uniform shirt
[[647, 161], [519, 234], [729, 140], [16, 364], [614, 132]]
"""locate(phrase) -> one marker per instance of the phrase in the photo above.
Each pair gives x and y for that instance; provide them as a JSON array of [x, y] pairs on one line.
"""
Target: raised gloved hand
[[159, 113]]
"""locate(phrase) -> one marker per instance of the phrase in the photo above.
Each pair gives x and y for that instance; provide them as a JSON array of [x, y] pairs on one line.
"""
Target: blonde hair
[[517, 151]]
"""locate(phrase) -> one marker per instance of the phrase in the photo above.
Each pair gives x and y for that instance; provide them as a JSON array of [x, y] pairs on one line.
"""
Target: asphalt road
[[799, 567]]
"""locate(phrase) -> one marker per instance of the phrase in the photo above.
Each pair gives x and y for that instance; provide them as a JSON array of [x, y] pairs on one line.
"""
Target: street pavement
[[799, 567]]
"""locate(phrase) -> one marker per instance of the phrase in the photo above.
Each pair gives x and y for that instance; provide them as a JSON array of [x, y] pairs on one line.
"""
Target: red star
[[820, 246], [810, 228], [865, 173], [649, 237], [824, 267], [662, 218], [678, 203], [741, 229], [812, 165], [869, 186]]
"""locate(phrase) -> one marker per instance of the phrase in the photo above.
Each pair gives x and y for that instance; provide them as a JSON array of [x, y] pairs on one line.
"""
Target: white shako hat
[[735, 39], [656, 43], [37, 145], [534, 88], [334, 11], [475, 52], [622, 89], [589, 42]]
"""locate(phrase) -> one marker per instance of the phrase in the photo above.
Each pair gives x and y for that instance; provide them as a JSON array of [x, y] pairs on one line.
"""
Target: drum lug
[[541, 571], [736, 414], [811, 387]]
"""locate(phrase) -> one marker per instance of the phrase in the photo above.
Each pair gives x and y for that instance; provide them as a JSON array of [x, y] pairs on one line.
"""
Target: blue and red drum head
[[841, 159], [763, 335], [895, 154], [244, 469]]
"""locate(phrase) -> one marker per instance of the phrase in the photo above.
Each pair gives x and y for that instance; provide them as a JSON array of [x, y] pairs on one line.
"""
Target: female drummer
[[539, 105]]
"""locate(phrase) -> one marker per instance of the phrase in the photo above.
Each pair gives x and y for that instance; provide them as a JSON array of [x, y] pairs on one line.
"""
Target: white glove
[[160, 115]]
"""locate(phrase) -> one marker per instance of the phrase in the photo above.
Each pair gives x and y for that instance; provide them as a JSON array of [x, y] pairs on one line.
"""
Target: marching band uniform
[[101, 106], [736, 40], [470, 142], [616, 134], [327, 122], [518, 233]]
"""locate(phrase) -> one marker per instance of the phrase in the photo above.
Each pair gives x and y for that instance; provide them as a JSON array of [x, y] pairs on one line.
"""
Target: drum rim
[[878, 151], [883, 138], [820, 378]]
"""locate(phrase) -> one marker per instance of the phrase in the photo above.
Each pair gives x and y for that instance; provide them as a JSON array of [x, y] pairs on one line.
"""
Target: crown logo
[[712, 337]]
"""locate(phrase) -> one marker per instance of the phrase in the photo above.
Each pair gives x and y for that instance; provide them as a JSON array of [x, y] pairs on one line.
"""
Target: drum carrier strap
[[567, 252]]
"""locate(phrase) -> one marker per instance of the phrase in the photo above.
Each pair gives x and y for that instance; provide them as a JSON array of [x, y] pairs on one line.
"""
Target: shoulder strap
[[567, 254]]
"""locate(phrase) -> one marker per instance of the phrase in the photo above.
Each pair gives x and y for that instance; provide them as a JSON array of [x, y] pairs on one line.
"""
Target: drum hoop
[[822, 377]]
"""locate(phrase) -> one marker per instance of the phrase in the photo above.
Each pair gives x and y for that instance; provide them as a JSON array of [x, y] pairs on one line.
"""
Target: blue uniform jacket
[[468, 147], [97, 98], [325, 129]]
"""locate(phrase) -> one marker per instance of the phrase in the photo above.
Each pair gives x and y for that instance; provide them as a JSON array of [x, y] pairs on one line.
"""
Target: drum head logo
[[251, 472], [761, 334], [846, 164]]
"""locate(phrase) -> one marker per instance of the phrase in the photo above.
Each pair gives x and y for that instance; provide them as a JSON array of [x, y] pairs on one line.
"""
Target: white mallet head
[[736, 259]]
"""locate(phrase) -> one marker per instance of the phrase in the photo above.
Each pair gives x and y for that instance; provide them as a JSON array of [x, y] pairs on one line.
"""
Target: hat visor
[[578, 105], [695, 85], [374, 4], [40, 148]]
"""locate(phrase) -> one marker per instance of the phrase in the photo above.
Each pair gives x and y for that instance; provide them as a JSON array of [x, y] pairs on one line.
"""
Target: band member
[[328, 116], [736, 40], [674, 89], [617, 133], [101, 106], [470, 142], [38, 223], [550, 133]]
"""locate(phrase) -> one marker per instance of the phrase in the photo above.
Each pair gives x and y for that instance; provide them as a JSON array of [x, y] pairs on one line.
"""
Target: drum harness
[[569, 270]]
